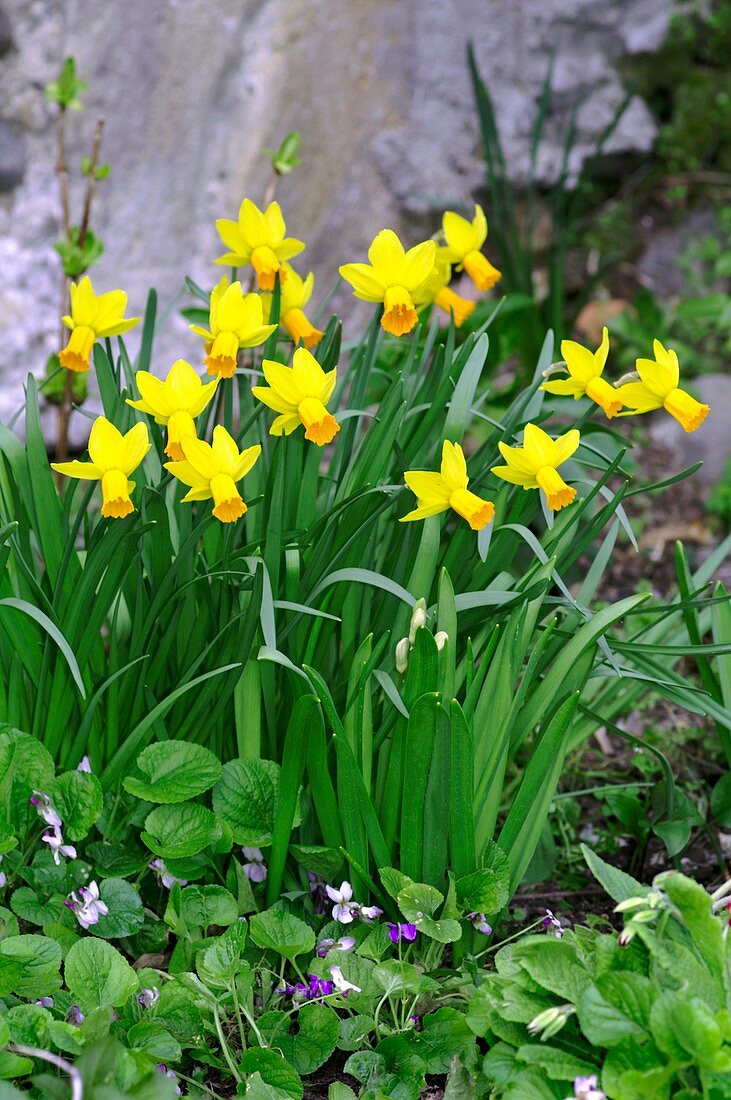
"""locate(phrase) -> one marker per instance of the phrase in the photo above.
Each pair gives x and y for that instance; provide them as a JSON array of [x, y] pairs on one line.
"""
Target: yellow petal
[[425, 510], [283, 380], [245, 461], [565, 387], [285, 425], [517, 459], [580, 361], [86, 471], [274, 223], [155, 394], [308, 374], [272, 400], [637, 397], [387, 256], [135, 445], [419, 262], [200, 456], [367, 285], [538, 445], [252, 224], [454, 467], [565, 446], [106, 444], [225, 450], [515, 477], [459, 234], [429, 487]]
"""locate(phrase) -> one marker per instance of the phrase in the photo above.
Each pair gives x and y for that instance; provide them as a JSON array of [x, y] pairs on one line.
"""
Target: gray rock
[[12, 158], [711, 443], [658, 264], [192, 92]]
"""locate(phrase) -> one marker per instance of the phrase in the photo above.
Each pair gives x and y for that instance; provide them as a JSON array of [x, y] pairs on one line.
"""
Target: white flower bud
[[550, 1021], [441, 637], [418, 618], [402, 655]]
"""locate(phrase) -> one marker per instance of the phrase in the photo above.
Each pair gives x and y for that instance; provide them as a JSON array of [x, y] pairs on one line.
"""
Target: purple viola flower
[[318, 894], [369, 913], [313, 991], [75, 1015], [87, 906], [343, 909], [398, 932], [84, 765], [551, 923], [42, 803], [45, 1002], [255, 868], [148, 996], [165, 877], [479, 921], [345, 943]]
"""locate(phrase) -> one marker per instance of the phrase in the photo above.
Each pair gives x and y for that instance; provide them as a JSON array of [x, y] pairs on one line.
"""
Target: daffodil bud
[[441, 638], [418, 619], [402, 655]]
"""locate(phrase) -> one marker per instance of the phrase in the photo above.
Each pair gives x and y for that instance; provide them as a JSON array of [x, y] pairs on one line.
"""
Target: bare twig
[[91, 181]]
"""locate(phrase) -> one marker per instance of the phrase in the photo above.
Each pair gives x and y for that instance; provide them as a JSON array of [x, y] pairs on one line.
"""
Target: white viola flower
[[165, 877], [586, 1088], [343, 910], [45, 1002], [84, 765], [87, 906], [345, 943], [42, 803], [369, 913], [58, 848], [342, 985], [255, 868]]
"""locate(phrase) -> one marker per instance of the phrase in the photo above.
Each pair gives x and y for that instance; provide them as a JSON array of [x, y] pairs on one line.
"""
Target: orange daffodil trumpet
[[299, 394], [657, 388], [236, 320], [113, 458], [176, 402], [258, 239], [394, 277], [535, 464], [295, 294], [212, 471], [585, 376], [464, 239], [92, 316], [437, 493]]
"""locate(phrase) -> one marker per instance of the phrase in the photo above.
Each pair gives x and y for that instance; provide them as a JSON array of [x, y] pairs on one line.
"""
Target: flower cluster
[[402, 282], [345, 910], [86, 905], [317, 988]]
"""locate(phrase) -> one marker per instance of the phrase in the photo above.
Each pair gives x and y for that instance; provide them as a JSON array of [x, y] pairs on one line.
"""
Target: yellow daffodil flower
[[299, 394], [437, 493], [113, 458], [535, 464], [393, 277], [92, 316], [585, 376], [175, 402], [657, 388], [436, 290], [258, 239], [236, 321], [212, 471], [296, 293], [464, 241]]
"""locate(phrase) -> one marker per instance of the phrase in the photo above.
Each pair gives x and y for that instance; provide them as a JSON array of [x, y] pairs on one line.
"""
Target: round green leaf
[[203, 906], [274, 1071], [39, 959], [277, 930], [246, 796], [126, 914], [181, 830], [173, 771], [315, 1039], [78, 800], [96, 974]]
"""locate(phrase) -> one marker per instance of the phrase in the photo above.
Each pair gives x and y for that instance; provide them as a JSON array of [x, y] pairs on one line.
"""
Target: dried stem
[[77, 1085], [91, 181]]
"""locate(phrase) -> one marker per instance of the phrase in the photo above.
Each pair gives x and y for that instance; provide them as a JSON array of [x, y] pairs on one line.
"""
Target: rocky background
[[193, 90]]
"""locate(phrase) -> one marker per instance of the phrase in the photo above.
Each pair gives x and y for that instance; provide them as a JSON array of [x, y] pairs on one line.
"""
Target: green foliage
[[78, 255], [66, 91], [647, 1013]]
